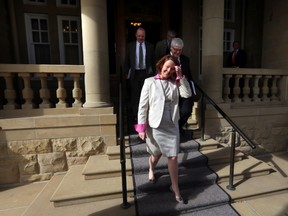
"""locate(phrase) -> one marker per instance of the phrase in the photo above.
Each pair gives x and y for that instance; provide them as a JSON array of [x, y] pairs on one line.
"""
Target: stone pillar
[[95, 53], [212, 48]]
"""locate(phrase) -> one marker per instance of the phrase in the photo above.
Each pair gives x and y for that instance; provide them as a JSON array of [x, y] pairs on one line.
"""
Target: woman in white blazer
[[158, 116]]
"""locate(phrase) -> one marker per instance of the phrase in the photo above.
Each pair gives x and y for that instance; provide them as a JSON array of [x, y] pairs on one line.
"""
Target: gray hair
[[177, 43]]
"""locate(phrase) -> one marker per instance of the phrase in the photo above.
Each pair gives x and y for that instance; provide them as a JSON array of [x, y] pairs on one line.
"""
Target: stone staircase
[[99, 180]]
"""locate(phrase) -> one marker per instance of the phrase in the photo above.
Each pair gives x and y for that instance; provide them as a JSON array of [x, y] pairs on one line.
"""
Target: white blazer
[[152, 101]]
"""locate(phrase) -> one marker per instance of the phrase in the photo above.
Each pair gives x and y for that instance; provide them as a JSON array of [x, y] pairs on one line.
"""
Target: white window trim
[[30, 45], [233, 12], [60, 37], [34, 3], [232, 31]]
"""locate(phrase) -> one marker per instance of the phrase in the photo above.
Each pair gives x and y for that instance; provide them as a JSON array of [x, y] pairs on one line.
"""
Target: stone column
[[95, 53], [212, 48]]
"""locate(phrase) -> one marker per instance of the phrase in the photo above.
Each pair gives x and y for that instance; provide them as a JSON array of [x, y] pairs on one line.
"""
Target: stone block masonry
[[39, 160]]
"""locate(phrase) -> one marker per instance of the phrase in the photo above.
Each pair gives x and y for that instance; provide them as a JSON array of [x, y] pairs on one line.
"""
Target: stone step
[[99, 166], [42, 203], [221, 155], [113, 152], [216, 159], [74, 189], [42, 206], [249, 167], [269, 204], [125, 140], [208, 144], [258, 186]]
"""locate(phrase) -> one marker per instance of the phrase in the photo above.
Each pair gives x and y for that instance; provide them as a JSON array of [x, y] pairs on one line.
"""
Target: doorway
[[153, 31]]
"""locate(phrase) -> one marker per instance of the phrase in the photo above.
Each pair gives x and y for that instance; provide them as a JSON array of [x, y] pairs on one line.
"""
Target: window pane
[[42, 54], [43, 24], [64, 1], [65, 25], [72, 2], [34, 24], [35, 37], [74, 38], [66, 38], [228, 36], [71, 54], [74, 26], [44, 37]]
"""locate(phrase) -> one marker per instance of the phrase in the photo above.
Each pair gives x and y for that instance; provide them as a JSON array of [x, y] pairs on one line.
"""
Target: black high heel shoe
[[178, 199]]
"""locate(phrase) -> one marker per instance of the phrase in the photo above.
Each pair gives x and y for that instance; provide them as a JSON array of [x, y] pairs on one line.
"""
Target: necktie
[[168, 48], [140, 56]]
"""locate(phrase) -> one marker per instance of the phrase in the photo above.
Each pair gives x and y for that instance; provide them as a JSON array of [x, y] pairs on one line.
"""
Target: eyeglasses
[[176, 49]]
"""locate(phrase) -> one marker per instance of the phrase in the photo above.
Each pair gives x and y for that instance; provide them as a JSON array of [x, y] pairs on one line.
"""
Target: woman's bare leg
[[173, 171], [153, 160]]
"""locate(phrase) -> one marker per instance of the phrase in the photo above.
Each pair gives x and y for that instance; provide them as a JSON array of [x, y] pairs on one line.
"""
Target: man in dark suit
[[237, 58], [138, 65], [163, 47], [185, 104]]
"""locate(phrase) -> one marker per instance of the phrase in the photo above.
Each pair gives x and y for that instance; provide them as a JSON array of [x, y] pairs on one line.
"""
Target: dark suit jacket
[[160, 50], [240, 59], [130, 59], [185, 66]]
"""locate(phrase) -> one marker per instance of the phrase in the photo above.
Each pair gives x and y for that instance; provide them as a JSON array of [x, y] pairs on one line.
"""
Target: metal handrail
[[224, 115], [125, 204], [235, 128]]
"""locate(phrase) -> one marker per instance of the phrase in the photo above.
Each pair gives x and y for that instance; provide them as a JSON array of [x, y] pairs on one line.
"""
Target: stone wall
[[36, 144], [267, 127], [38, 160]]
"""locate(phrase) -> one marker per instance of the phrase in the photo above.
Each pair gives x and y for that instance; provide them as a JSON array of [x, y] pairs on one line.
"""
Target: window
[[35, 2], [37, 33], [228, 39], [69, 40], [67, 3], [229, 10]]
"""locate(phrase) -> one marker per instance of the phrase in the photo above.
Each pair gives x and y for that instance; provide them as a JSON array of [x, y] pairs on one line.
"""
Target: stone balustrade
[[254, 86], [28, 86]]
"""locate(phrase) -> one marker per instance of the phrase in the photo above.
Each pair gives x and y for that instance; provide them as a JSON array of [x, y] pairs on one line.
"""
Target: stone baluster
[[265, 89], [77, 92], [61, 91], [226, 90], [275, 88], [9, 92], [44, 92], [246, 88], [27, 91], [237, 89], [256, 88]]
